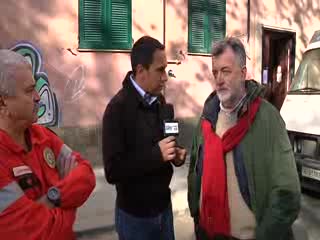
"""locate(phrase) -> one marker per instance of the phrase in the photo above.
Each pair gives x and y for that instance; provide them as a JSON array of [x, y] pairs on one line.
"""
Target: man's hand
[[168, 148], [45, 201], [181, 154]]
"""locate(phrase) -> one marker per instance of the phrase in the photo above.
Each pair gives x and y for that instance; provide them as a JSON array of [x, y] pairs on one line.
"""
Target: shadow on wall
[[32, 24], [53, 27], [176, 92], [178, 6], [288, 10], [50, 109], [309, 10], [294, 12], [34, 21]]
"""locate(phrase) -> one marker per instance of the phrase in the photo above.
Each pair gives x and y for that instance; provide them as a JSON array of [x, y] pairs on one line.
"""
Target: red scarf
[[214, 212]]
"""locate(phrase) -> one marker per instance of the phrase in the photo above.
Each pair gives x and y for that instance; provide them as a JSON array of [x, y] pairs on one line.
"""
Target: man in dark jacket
[[137, 157], [243, 183]]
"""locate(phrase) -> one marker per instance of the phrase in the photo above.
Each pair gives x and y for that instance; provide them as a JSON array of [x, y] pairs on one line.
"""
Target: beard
[[227, 98], [224, 96]]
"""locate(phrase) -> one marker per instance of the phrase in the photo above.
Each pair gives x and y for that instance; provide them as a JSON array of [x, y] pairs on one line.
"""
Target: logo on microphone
[[171, 128]]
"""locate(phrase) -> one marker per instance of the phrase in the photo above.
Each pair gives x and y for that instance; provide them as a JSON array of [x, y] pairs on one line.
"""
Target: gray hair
[[9, 61], [235, 44]]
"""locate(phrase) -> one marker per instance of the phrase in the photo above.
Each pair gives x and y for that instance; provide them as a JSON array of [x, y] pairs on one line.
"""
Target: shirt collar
[[141, 91]]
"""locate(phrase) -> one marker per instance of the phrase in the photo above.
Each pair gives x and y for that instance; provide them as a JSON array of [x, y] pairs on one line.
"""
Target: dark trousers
[[130, 227]]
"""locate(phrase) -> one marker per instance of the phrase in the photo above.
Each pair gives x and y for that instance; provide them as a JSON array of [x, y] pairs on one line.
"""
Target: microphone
[[170, 126]]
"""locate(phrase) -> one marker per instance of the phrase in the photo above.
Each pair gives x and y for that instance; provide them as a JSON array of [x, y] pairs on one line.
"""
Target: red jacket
[[26, 176]]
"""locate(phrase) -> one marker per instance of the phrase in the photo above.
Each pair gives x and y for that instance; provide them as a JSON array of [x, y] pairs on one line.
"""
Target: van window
[[307, 78]]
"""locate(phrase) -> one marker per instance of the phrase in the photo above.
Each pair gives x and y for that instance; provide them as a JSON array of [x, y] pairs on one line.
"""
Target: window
[[207, 24], [105, 24]]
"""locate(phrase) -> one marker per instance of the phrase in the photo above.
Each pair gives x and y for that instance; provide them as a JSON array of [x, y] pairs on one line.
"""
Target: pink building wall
[[84, 82]]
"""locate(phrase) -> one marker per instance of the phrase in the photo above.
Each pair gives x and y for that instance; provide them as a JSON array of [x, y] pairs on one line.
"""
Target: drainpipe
[[164, 21], [248, 20]]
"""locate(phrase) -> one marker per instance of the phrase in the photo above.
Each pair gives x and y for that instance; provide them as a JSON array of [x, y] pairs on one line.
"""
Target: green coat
[[271, 174]]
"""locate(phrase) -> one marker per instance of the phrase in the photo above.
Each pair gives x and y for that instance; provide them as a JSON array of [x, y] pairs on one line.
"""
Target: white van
[[301, 113]]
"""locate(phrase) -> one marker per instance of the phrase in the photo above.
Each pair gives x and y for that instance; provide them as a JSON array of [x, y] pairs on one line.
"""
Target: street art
[[75, 85], [49, 110]]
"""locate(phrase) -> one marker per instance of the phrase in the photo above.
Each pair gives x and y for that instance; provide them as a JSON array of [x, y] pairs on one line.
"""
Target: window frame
[[105, 44], [209, 39]]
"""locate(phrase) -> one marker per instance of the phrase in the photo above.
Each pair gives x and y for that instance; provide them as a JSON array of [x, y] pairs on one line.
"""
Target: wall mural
[[49, 110]]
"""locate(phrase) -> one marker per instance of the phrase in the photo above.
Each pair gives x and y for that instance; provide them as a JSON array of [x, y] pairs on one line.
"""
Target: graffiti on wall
[[75, 85], [49, 111]]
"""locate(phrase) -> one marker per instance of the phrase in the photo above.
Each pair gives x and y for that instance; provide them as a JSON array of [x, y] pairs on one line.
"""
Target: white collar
[[141, 91]]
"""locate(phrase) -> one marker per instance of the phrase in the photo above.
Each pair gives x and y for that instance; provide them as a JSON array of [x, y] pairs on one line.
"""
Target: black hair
[[143, 50]]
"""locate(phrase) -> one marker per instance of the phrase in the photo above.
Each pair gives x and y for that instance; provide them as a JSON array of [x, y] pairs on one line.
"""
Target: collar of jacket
[[212, 104], [37, 137], [134, 95]]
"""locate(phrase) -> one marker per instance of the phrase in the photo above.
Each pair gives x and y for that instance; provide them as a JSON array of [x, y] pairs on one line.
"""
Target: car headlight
[[297, 146]]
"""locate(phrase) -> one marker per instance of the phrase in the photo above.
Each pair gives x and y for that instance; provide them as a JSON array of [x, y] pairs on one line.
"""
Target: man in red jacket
[[42, 181]]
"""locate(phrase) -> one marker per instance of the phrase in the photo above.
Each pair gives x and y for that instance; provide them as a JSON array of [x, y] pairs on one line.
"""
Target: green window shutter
[[105, 24], [207, 24], [92, 24], [121, 24], [197, 24], [217, 20]]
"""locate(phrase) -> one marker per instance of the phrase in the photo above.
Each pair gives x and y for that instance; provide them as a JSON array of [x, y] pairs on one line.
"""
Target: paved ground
[[309, 218], [95, 218]]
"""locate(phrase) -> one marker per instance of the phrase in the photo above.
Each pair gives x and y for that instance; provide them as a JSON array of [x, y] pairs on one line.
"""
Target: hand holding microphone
[[170, 150]]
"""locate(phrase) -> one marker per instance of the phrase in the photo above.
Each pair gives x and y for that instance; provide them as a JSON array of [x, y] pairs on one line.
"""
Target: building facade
[[80, 49]]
